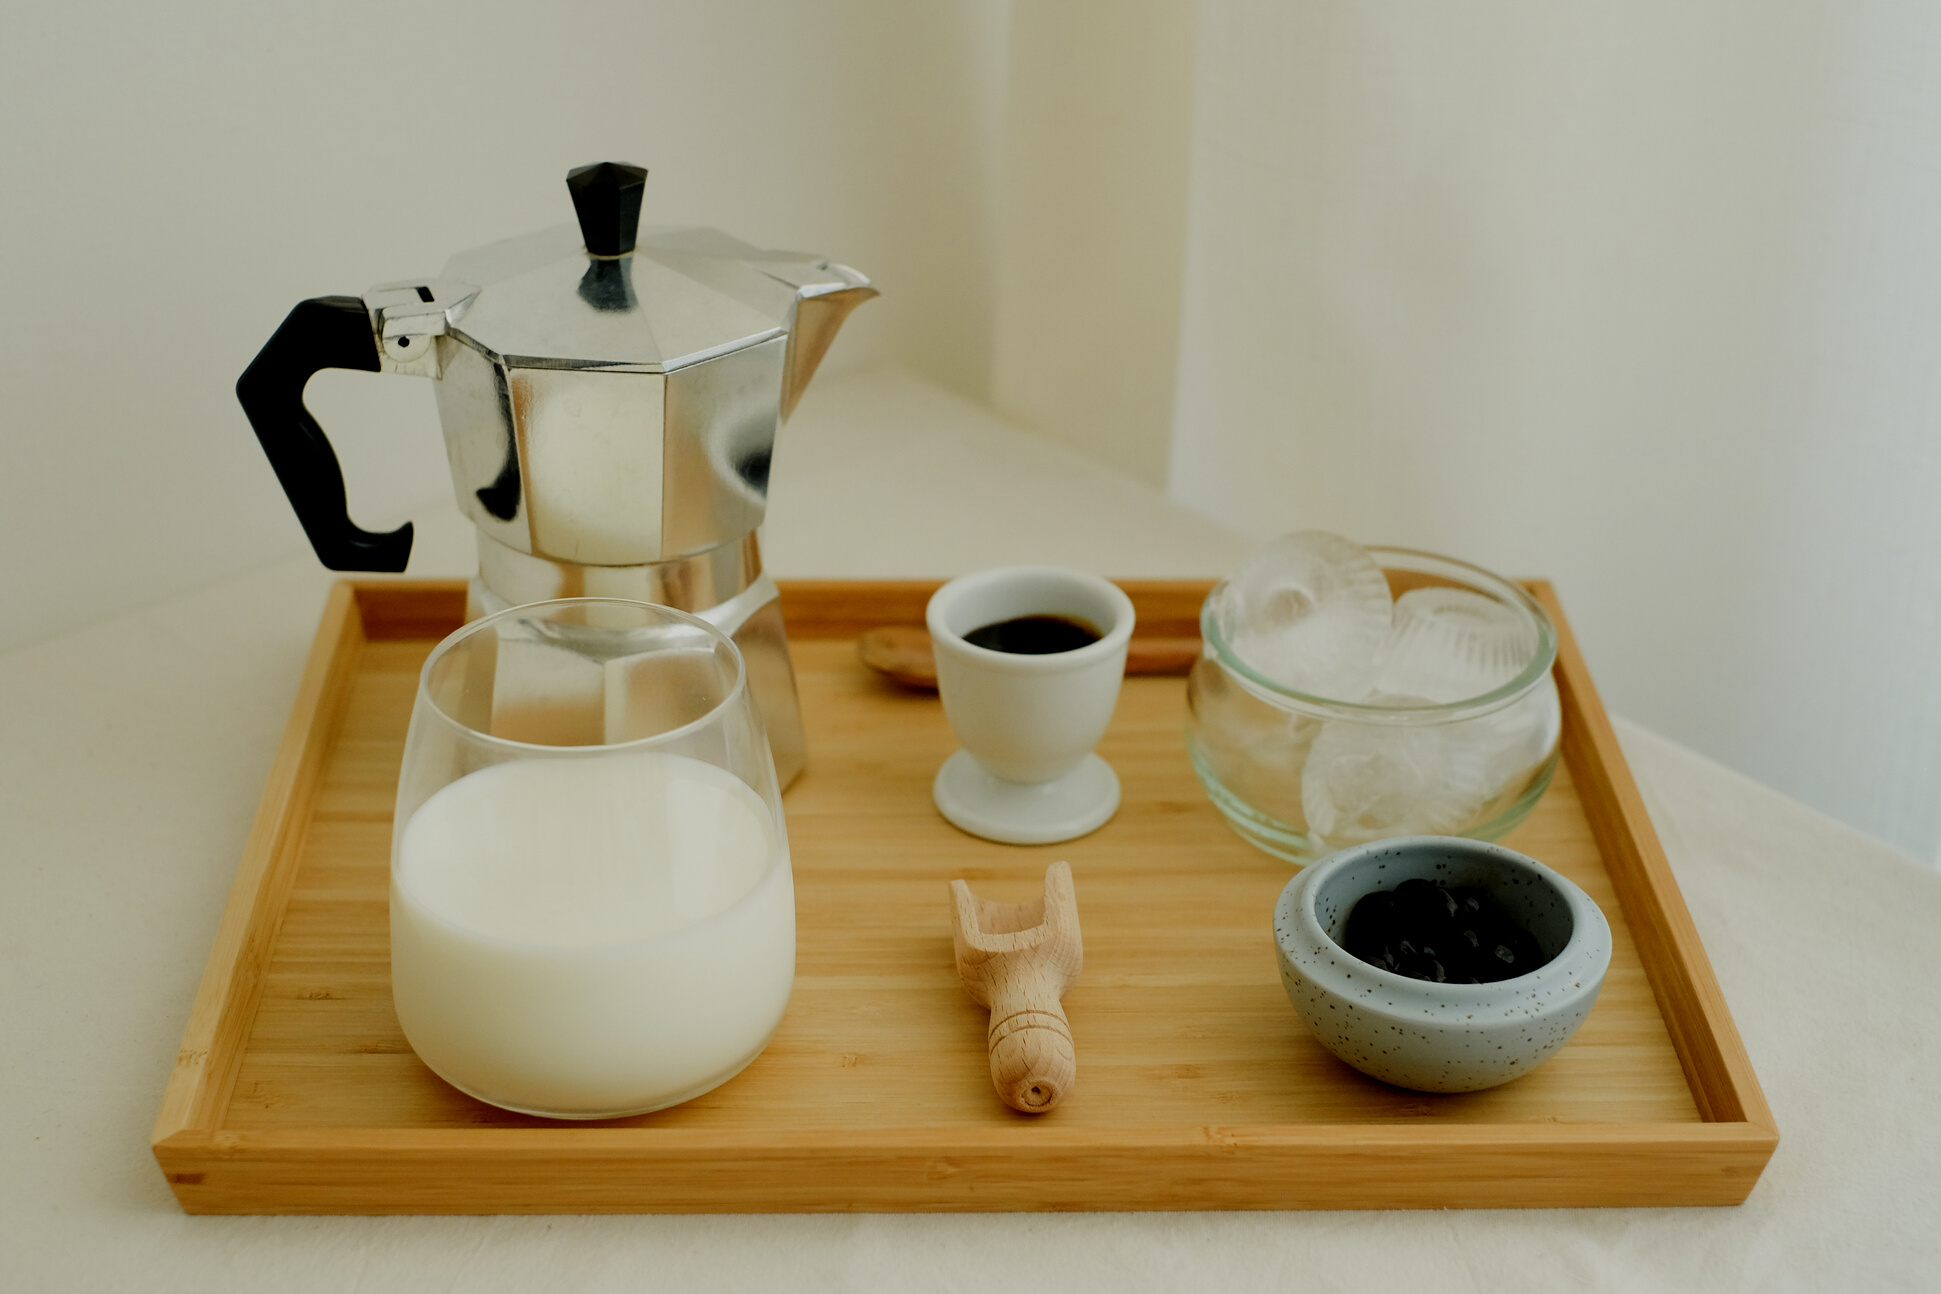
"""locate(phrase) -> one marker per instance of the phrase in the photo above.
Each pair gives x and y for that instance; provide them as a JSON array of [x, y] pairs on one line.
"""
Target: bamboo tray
[[295, 1091]]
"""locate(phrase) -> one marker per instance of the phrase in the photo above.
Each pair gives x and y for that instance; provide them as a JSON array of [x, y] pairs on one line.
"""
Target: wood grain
[[213, 1043], [1201, 1090], [1016, 961], [1699, 1022]]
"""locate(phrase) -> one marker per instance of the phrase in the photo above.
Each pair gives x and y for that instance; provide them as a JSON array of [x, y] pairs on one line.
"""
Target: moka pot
[[609, 396]]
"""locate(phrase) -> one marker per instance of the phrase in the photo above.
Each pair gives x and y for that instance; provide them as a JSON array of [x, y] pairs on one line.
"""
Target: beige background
[[1641, 296], [177, 177]]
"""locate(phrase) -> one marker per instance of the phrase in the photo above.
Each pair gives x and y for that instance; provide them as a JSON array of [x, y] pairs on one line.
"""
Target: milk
[[592, 936]]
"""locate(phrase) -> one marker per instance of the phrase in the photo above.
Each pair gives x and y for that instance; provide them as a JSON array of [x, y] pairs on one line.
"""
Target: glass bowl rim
[[1281, 695], [466, 631]]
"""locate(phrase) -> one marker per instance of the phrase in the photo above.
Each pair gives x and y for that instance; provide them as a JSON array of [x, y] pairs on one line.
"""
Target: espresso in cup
[[1035, 635], [1029, 660]]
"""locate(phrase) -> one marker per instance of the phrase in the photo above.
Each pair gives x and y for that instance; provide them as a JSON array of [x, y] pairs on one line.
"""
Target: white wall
[[1641, 295], [1092, 224], [1645, 297], [178, 176]]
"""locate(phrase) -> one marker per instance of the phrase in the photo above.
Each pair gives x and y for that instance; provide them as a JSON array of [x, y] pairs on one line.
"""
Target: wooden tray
[[295, 1091]]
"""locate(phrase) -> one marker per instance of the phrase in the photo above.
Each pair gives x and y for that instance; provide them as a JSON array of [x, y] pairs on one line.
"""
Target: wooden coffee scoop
[[903, 653], [1018, 959]]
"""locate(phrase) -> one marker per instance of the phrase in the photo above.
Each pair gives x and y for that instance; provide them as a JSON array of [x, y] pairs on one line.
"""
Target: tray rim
[[1713, 1161]]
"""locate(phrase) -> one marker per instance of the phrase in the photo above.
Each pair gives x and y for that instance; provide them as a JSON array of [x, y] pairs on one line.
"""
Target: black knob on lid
[[607, 197]]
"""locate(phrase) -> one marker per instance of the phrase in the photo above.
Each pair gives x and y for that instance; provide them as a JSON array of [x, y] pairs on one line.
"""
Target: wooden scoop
[[1018, 959], [903, 653]]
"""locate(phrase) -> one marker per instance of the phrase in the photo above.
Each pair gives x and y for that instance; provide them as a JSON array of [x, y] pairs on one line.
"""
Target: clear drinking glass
[[1301, 776], [592, 910]]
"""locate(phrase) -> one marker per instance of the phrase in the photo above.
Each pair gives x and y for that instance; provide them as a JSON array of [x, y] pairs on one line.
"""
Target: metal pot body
[[609, 397], [605, 467]]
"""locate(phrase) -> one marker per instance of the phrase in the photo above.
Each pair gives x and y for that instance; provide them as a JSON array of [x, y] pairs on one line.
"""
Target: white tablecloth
[[132, 754]]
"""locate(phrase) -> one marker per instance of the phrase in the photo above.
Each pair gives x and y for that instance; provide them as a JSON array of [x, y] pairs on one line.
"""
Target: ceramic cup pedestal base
[[1015, 813], [1023, 716]]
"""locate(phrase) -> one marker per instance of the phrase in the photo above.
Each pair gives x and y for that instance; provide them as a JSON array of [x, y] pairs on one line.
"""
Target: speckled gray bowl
[[1440, 1037]]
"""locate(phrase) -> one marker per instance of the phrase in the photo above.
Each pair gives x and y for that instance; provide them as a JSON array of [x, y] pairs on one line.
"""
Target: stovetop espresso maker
[[609, 397]]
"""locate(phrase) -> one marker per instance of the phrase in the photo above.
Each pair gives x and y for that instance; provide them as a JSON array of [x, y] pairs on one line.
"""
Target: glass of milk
[[592, 911]]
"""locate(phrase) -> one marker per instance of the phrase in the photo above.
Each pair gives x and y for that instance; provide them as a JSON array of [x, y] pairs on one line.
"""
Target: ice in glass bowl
[[1447, 644], [1446, 724], [1310, 611]]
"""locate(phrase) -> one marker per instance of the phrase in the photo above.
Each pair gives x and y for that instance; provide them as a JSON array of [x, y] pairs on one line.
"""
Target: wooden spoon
[[902, 652], [1018, 959]]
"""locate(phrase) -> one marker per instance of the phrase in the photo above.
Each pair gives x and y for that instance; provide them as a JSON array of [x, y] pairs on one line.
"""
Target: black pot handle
[[323, 332]]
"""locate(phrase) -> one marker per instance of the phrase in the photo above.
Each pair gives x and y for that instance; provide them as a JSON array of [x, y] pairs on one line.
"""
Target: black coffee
[[1445, 935], [1034, 635]]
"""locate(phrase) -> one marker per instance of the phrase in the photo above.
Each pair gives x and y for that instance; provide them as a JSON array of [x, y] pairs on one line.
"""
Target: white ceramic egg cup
[[1026, 774]]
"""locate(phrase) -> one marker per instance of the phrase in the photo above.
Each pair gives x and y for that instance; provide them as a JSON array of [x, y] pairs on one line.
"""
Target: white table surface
[[132, 754]]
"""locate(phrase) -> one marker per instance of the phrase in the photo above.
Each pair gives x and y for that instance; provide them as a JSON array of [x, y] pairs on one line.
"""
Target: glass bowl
[[1301, 776], [592, 907]]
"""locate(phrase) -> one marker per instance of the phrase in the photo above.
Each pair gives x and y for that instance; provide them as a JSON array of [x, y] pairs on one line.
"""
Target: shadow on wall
[[374, 143], [1640, 297]]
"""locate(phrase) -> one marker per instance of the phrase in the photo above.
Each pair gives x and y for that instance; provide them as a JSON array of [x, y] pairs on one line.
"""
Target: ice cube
[[1366, 781], [1451, 644], [1517, 740], [1309, 611], [1253, 748]]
